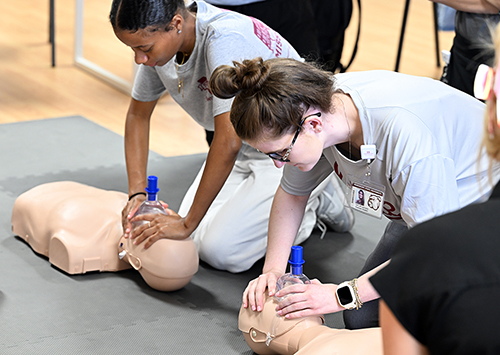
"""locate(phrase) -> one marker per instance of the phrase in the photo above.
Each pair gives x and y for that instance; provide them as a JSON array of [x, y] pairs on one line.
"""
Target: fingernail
[[259, 308]]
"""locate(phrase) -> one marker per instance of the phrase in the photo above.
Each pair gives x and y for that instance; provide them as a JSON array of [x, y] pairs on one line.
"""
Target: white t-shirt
[[427, 135], [221, 37]]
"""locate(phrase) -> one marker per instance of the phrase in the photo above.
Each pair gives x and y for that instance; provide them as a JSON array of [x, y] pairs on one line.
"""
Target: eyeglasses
[[487, 80], [284, 158]]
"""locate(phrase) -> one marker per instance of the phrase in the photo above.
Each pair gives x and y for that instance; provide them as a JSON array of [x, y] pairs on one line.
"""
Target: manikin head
[[266, 333], [167, 265], [304, 336]]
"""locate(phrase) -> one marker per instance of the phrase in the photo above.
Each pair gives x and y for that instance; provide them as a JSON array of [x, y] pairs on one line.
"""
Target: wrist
[[276, 272], [347, 295], [135, 194], [190, 224]]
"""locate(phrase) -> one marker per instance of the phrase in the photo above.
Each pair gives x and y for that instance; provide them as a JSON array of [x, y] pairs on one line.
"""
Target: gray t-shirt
[[427, 135], [221, 38]]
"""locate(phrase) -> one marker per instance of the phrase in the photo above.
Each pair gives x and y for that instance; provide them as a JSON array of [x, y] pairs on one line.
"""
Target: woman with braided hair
[[226, 209]]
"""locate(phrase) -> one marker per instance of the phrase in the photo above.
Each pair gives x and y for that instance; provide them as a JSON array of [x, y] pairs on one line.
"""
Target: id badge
[[367, 197]]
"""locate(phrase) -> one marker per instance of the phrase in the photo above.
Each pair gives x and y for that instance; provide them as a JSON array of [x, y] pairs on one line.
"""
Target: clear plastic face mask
[[294, 277]]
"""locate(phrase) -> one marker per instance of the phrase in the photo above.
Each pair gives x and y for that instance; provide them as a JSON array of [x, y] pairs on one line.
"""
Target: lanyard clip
[[368, 152]]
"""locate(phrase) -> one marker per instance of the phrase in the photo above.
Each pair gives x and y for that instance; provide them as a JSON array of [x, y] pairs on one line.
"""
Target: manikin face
[[151, 48]]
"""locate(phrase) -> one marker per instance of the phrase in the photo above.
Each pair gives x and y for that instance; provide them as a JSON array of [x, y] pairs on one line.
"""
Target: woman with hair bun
[[226, 209], [410, 143]]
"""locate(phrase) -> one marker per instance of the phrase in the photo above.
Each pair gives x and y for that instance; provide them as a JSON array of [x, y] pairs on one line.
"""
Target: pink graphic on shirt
[[203, 86], [269, 37], [390, 211], [337, 171]]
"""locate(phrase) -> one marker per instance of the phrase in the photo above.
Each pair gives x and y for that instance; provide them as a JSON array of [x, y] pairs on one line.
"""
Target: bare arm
[[137, 143], [136, 153], [396, 339], [220, 161], [284, 222], [286, 215], [474, 6], [317, 298]]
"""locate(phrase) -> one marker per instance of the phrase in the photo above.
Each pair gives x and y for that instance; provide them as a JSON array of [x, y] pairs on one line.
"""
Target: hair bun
[[251, 75], [245, 78]]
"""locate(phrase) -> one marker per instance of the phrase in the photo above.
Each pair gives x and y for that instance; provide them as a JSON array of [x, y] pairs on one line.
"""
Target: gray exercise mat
[[45, 311]]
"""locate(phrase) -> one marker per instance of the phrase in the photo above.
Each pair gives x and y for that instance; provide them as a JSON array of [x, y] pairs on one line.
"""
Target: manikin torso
[[78, 227]]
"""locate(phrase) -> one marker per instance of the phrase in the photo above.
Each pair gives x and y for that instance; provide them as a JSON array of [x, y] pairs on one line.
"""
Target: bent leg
[[233, 234]]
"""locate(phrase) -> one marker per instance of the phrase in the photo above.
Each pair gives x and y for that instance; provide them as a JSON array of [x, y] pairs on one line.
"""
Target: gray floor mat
[[45, 311]]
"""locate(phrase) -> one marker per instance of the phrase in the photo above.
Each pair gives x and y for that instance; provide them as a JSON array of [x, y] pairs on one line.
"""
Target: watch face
[[345, 296]]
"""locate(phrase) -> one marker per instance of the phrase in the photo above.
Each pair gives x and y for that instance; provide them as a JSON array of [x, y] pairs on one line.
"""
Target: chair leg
[[436, 33], [52, 32], [402, 35]]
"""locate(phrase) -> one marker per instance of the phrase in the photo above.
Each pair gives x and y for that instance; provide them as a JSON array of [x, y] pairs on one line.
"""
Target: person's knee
[[222, 257]]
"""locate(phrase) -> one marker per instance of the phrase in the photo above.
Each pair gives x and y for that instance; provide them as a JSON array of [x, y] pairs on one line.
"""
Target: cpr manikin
[[267, 333], [78, 227]]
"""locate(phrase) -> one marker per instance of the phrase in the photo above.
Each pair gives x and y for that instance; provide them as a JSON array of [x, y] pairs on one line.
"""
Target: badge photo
[[367, 198]]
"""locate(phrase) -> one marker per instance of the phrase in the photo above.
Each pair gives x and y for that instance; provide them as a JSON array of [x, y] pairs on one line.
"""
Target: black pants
[[367, 315]]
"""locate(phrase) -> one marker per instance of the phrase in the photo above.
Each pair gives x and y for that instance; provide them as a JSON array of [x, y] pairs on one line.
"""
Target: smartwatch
[[346, 295]]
